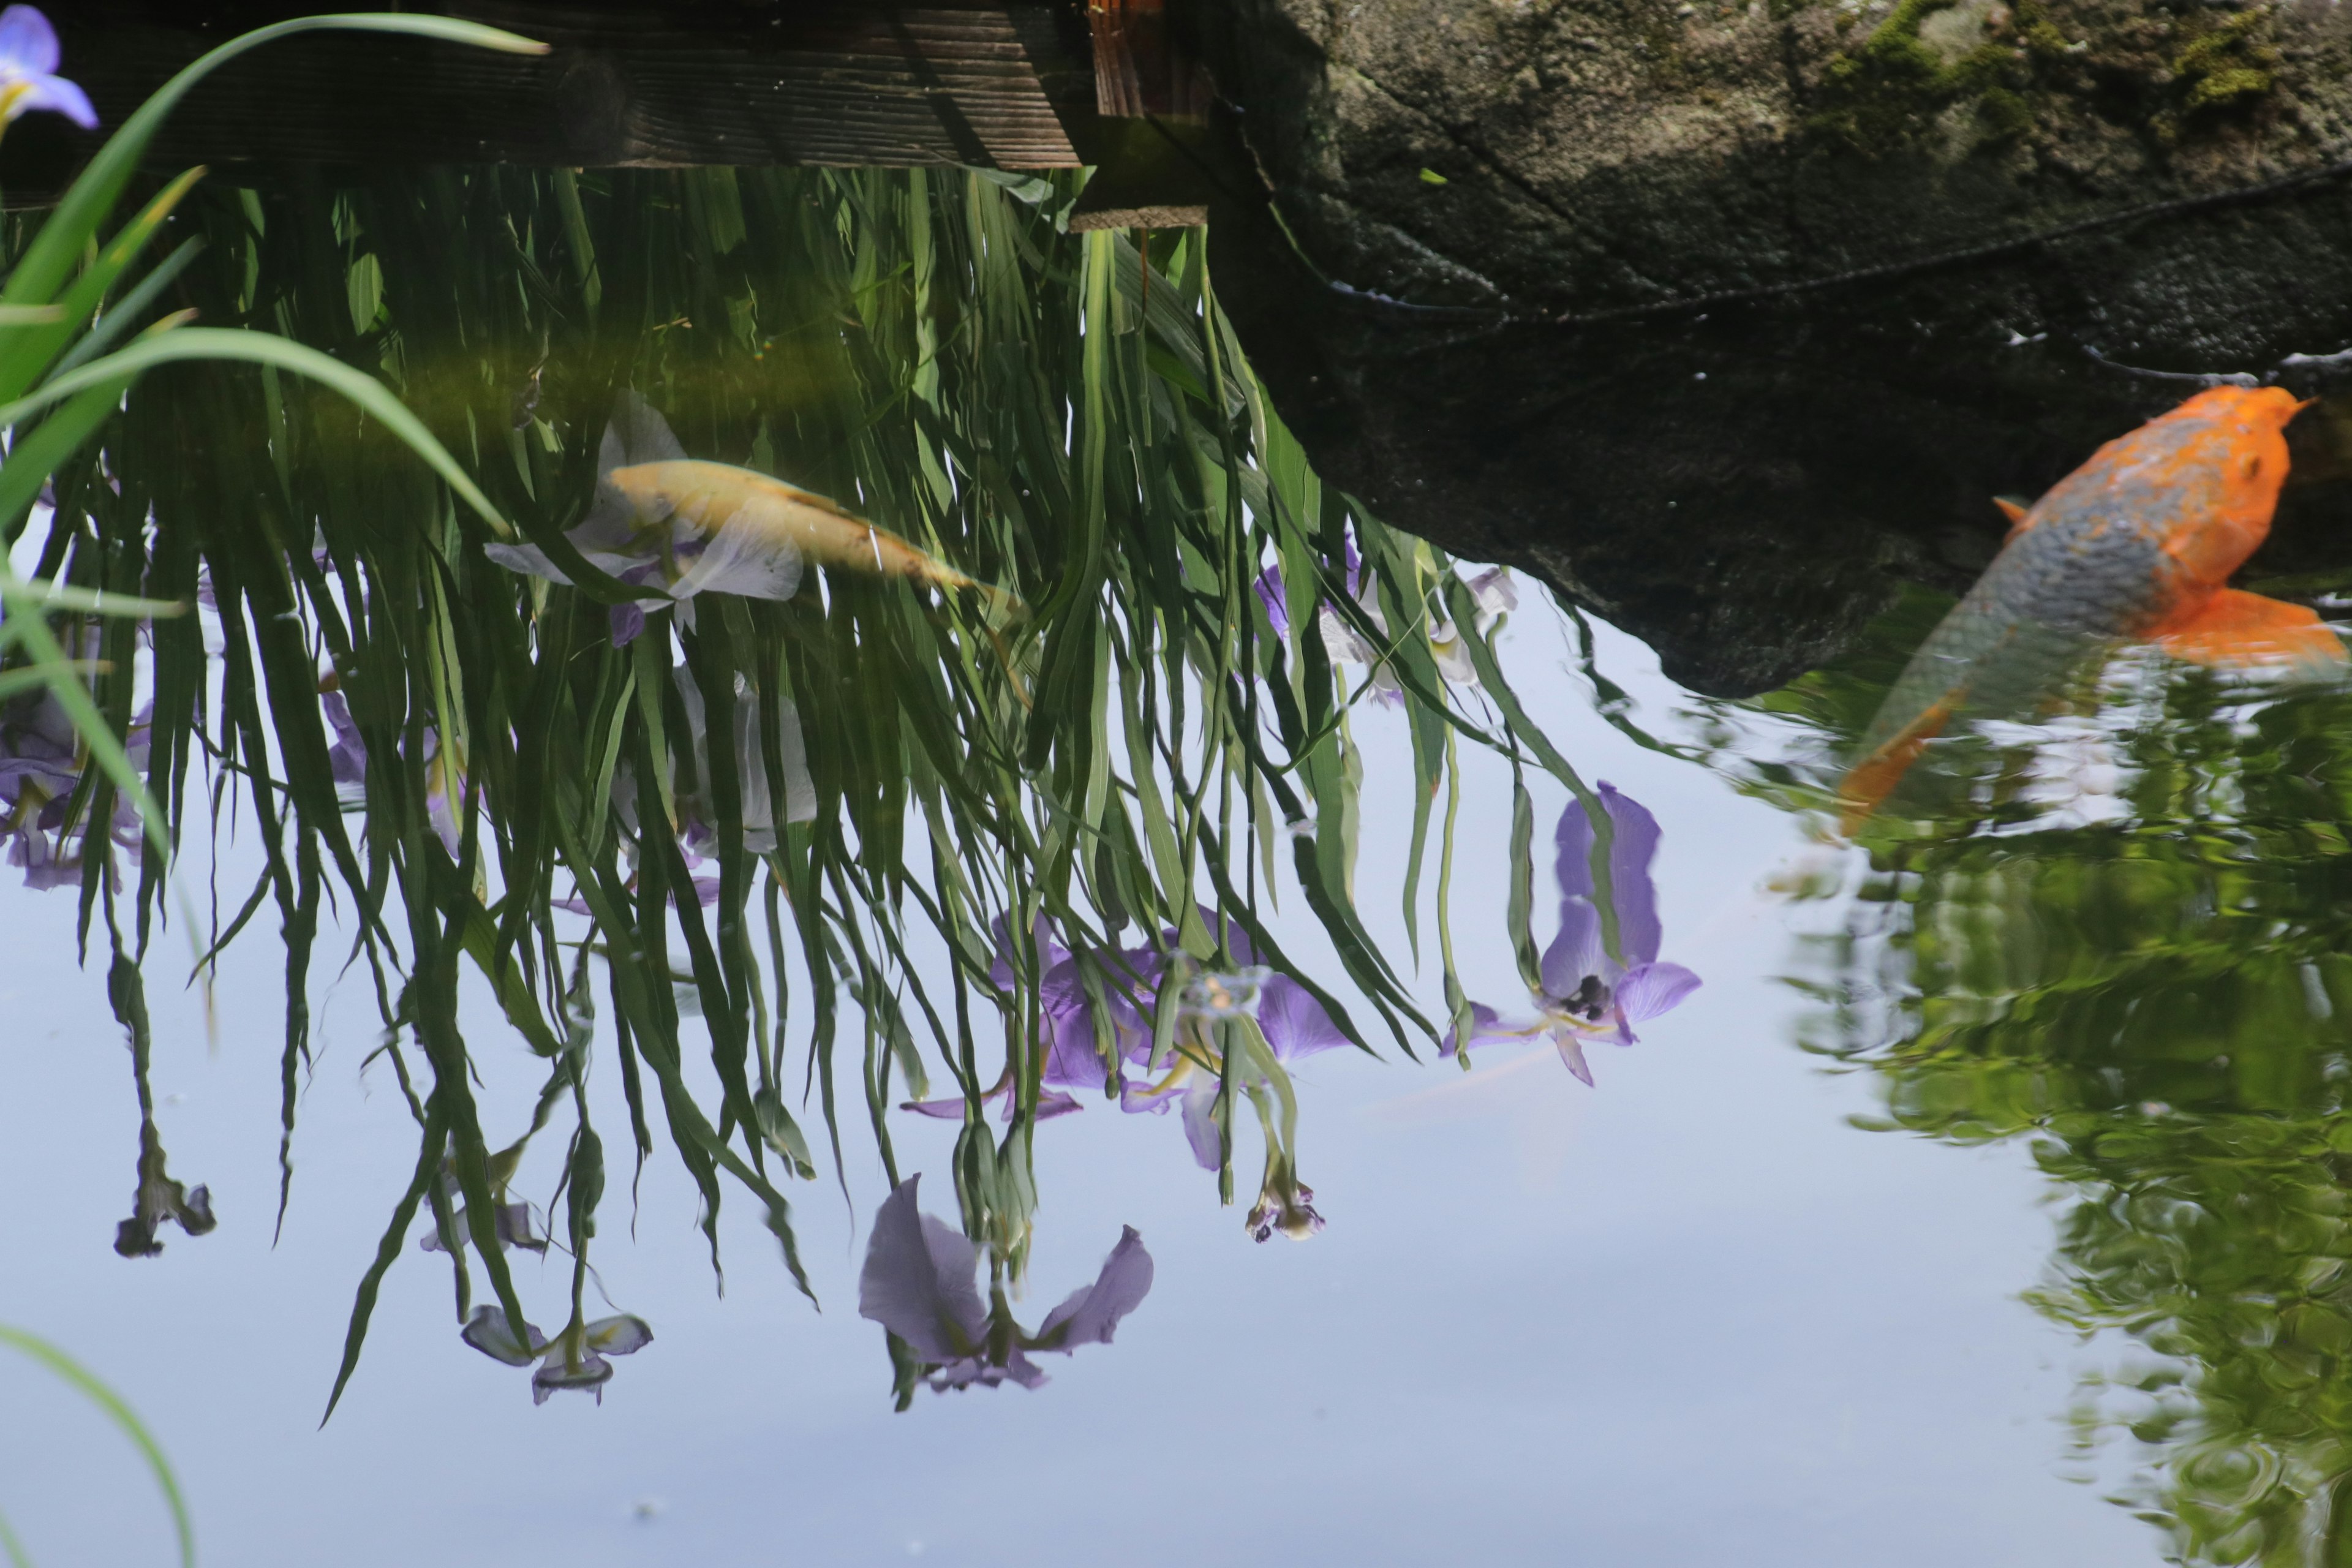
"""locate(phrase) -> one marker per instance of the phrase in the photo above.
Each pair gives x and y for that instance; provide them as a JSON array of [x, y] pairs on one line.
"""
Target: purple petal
[[59, 96], [511, 1225], [628, 621], [347, 757], [1571, 1051], [962, 1372], [1479, 1016], [1270, 594], [1126, 979], [46, 865], [623, 1335], [1486, 1028], [1634, 844], [1135, 1097], [28, 44], [1237, 941], [1090, 1315], [1575, 951], [592, 1372], [1049, 1105], [1295, 1024], [918, 1280], [1050, 953], [487, 1332], [1200, 1121], [1071, 1059], [1654, 988], [1495, 594]]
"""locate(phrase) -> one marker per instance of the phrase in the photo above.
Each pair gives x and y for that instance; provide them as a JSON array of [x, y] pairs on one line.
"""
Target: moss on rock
[[1888, 93]]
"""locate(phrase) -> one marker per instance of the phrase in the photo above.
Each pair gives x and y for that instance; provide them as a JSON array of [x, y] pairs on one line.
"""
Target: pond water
[[1983, 1202]]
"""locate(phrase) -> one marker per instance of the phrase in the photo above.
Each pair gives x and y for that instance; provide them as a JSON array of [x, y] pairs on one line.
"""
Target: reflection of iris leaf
[[1044, 410]]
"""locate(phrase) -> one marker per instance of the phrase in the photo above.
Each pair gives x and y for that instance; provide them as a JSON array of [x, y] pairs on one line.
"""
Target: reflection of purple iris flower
[[348, 756], [575, 1359], [1587, 993], [1295, 1025], [1491, 590], [1293, 1022], [1129, 977], [919, 1282], [40, 763], [28, 63], [1270, 592]]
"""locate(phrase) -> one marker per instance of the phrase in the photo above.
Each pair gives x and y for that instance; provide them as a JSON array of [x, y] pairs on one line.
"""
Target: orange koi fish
[[2135, 544]]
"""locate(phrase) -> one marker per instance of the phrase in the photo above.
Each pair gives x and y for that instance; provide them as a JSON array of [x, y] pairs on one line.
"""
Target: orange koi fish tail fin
[[1872, 779], [2235, 630]]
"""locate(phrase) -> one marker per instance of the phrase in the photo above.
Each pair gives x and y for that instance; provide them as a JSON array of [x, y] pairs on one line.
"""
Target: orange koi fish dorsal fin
[[2013, 511], [1871, 780], [2236, 630]]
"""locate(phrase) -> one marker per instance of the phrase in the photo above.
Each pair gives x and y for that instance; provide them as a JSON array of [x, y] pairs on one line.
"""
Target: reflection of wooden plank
[[1141, 65], [835, 81]]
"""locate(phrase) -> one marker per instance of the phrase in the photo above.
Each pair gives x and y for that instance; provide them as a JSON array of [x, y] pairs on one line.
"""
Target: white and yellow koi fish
[[683, 527]]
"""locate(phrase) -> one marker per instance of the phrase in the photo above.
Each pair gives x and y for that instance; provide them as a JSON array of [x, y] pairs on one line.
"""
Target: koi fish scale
[[2137, 543]]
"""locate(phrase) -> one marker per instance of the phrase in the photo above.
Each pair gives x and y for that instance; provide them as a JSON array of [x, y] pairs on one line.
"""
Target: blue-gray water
[[1691, 1316]]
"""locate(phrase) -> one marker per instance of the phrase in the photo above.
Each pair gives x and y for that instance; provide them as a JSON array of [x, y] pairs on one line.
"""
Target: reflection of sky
[[1688, 1317]]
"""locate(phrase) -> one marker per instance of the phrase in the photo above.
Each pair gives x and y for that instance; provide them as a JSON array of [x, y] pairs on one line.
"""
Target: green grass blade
[[25, 351], [123, 1416]]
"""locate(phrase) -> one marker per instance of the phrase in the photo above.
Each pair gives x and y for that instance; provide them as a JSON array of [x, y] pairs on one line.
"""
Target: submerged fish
[[2135, 544], [683, 527]]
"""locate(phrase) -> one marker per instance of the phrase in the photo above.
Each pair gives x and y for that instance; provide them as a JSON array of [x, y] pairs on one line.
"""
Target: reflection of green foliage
[[1048, 411], [2164, 1005]]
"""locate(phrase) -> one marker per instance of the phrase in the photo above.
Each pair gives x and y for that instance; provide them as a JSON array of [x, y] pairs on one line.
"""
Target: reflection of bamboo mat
[[838, 84]]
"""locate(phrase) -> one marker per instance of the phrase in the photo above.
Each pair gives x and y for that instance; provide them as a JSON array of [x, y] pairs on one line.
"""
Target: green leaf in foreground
[[123, 1416]]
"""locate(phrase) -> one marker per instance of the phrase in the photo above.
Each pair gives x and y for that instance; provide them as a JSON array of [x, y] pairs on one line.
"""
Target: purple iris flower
[[1587, 995], [28, 63], [573, 1358], [919, 1282]]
